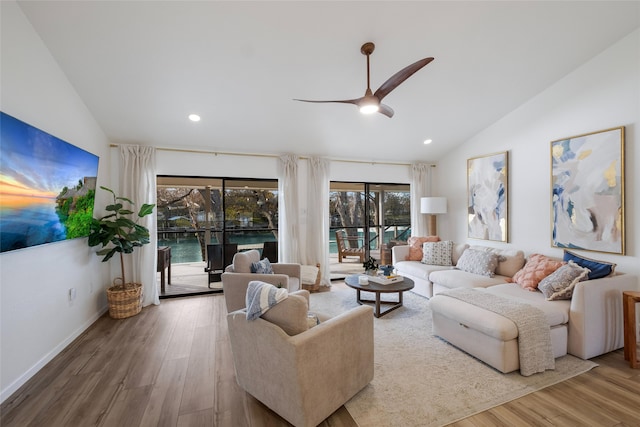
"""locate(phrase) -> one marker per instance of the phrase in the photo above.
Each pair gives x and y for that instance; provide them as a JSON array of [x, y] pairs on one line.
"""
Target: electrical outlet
[[72, 294]]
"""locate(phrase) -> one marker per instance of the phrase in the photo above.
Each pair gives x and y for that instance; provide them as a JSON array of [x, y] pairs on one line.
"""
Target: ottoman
[[491, 337]]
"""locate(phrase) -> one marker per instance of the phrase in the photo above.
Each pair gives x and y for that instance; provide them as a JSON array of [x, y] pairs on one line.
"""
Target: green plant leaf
[[145, 210]]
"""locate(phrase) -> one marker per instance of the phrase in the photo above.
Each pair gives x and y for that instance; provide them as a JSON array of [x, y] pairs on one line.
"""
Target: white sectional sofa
[[587, 325]]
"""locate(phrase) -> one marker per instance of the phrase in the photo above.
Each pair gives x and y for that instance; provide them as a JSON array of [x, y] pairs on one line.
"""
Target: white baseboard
[[13, 387]]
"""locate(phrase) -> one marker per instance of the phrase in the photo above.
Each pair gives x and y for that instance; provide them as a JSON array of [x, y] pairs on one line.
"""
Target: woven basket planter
[[125, 303]]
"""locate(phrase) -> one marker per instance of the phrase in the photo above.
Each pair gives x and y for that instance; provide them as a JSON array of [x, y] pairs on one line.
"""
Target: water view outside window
[[371, 214], [194, 212]]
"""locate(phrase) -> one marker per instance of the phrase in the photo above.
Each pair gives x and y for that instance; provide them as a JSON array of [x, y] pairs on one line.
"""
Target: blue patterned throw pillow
[[597, 269], [262, 267]]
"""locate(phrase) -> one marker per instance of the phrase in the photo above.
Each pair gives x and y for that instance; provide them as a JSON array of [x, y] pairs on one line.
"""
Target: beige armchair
[[237, 276], [304, 374]]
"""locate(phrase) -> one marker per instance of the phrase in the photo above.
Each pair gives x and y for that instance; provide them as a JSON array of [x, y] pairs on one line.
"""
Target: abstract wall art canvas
[[487, 179], [47, 187], [587, 191]]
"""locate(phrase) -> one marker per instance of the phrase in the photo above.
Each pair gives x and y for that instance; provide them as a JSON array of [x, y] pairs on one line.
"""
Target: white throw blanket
[[261, 297], [534, 335]]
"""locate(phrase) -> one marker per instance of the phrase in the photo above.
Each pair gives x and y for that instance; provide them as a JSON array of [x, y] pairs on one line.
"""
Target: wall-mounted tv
[[47, 187]]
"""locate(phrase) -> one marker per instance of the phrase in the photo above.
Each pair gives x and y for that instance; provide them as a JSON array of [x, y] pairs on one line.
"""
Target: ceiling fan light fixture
[[369, 104], [369, 108]]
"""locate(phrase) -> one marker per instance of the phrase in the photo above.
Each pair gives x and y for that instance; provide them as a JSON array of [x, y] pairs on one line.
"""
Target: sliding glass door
[[194, 212], [371, 215]]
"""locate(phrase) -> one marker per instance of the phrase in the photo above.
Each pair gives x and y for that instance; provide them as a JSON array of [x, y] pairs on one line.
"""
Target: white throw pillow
[[479, 262], [437, 253]]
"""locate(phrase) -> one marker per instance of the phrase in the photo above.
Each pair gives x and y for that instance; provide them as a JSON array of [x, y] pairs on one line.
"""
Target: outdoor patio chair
[[349, 246]]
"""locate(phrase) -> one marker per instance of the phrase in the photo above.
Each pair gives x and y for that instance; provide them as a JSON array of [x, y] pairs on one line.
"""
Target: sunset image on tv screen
[[47, 187]]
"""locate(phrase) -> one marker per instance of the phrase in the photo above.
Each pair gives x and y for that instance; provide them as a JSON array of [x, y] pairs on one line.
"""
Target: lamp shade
[[433, 205]]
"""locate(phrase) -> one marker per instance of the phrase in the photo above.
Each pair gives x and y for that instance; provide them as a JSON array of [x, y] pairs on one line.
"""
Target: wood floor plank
[[171, 366], [164, 403]]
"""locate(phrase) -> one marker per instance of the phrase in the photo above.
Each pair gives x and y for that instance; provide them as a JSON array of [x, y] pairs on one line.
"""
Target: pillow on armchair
[[262, 267], [290, 314]]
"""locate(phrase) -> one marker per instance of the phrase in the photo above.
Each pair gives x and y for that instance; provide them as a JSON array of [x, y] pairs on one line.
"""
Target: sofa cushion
[[479, 319], [242, 260], [417, 269], [461, 279], [262, 267], [597, 269], [557, 312], [510, 261], [415, 246], [290, 314], [478, 262], [560, 283], [437, 253], [535, 269]]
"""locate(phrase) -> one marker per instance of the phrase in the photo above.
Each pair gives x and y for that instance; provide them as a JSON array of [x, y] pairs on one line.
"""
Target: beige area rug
[[421, 380]]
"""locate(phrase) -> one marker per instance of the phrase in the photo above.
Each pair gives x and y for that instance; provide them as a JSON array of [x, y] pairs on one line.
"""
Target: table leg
[[169, 269]]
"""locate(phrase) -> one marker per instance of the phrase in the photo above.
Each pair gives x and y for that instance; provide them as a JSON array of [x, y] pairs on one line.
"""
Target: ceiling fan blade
[[402, 75], [344, 101], [386, 110]]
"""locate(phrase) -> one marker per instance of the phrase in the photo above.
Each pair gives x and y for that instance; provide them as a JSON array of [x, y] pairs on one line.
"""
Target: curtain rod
[[229, 153]]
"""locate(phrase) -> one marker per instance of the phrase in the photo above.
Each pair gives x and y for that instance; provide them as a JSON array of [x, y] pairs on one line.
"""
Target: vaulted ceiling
[[142, 67]]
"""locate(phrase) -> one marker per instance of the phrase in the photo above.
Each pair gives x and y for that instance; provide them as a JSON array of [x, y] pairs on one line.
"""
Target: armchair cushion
[[290, 314]]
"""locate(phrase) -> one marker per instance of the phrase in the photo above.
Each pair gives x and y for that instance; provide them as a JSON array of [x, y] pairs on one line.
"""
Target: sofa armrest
[[399, 253], [595, 317], [291, 270]]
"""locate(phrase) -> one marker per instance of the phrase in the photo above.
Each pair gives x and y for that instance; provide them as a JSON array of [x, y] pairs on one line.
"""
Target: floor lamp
[[433, 206]]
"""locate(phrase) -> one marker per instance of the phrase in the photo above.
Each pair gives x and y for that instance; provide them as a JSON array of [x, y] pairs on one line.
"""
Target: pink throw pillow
[[415, 246], [535, 269]]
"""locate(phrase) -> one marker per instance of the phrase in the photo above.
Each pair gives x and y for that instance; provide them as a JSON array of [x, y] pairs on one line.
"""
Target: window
[[374, 213], [193, 212]]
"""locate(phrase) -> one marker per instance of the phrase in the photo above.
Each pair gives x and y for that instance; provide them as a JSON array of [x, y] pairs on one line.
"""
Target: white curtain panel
[[420, 187], [317, 242], [288, 230], [138, 183]]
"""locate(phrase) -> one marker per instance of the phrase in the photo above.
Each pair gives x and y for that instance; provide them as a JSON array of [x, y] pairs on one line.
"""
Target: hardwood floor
[[171, 366]]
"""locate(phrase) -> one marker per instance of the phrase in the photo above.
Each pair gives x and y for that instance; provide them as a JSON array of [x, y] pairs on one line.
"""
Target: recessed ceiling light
[[194, 117], [428, 141]]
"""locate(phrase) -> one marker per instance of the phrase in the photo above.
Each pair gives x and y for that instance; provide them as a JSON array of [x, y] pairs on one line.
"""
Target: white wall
[[36, 317], [603, 93]]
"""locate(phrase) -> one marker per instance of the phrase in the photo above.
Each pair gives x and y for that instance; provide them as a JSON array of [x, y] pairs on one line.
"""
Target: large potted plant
[[117, 232]]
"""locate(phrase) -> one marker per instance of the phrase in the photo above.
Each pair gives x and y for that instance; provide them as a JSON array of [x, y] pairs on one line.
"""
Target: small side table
[[629, 300]]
